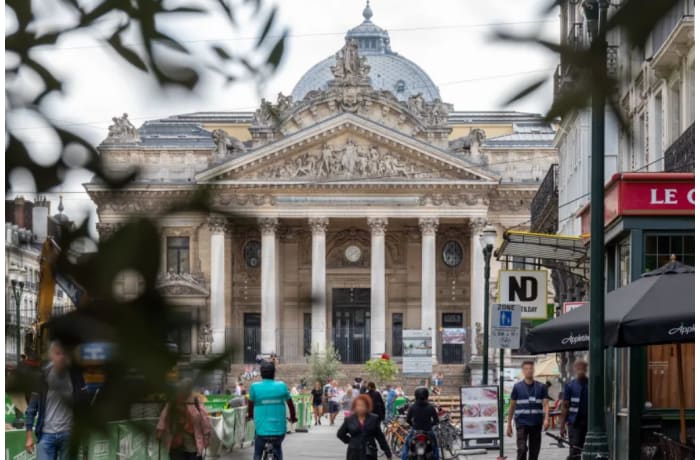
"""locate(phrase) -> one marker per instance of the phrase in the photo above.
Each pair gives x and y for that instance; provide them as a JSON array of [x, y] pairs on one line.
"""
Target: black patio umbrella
[[655, 309]]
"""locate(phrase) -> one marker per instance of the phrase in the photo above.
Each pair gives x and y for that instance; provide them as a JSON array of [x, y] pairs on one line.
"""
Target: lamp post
[[487, 239], [17, 277], [596, 444]]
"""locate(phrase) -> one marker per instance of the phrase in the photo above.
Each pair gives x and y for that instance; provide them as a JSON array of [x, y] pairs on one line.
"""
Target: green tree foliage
[[381, 370], [138, 327], [324, 364]]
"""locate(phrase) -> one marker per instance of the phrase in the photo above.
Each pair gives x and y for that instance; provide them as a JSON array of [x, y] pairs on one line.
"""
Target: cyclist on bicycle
[[421, 416], [266, 401]]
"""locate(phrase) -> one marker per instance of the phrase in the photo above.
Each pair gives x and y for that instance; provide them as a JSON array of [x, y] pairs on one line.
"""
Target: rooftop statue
[[349, 65]]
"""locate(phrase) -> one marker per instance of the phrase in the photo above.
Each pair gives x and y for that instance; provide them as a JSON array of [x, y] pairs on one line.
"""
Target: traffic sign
[[527, 288], [505, 325]]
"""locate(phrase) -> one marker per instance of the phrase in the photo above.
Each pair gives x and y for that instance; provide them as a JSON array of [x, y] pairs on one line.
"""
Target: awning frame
[[567, 253]]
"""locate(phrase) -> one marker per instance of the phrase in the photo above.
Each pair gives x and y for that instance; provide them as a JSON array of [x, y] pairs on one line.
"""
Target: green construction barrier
[[302, 405], [9, 409], [216, 403], [14, 445]]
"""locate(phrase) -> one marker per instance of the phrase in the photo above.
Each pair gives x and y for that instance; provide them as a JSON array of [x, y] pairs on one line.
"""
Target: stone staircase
[[453, 375]]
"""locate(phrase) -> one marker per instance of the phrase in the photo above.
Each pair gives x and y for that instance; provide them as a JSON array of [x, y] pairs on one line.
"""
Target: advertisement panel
[[417, 352], [454, 335], [527, 288], [479, 413]]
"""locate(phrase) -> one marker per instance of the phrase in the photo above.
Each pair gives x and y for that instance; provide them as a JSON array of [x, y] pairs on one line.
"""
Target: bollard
[[302, 414]]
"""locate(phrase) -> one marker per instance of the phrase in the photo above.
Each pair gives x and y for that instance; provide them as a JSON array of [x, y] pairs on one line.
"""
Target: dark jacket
[[422, 416], [34, 416], [377, 404], [361, 442]]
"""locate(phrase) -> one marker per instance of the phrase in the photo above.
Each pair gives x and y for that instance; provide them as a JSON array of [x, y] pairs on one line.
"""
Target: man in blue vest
[[530, 406], [574, 410], [267, 406]]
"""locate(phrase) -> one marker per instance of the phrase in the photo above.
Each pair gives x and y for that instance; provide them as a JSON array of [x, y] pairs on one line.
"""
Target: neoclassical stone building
[[343, 213]]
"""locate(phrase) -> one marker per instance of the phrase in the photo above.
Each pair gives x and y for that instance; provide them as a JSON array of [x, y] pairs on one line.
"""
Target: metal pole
[[487, 272], [500, 404], [18, 301], [596, 444]]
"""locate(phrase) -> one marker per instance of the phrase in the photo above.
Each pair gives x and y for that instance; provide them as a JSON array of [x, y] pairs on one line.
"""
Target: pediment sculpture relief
[[344, 161], [226, 145], [122, 130], [349, 66]]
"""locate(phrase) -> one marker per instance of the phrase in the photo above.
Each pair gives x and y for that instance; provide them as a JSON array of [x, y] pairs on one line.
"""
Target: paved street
[[320, 442]]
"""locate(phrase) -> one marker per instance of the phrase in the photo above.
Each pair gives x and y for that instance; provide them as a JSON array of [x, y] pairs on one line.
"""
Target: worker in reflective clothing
[[574, 410], [530, 406]]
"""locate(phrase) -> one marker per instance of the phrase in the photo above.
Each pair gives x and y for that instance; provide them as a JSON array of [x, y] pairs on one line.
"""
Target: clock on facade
[[353, 253], [251, 253], [452, 253]]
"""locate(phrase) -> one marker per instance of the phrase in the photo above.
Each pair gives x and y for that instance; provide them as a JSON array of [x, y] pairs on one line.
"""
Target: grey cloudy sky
[[450, 39]]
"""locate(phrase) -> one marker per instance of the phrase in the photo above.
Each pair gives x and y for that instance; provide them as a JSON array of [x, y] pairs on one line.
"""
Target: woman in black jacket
[[362, 430], [377, 401]]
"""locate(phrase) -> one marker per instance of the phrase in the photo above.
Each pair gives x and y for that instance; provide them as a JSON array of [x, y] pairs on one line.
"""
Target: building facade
[[27, 226], [656, 95], [342, 213]]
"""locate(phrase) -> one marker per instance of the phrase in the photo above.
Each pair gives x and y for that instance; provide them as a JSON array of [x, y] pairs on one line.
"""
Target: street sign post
[[505, 325], [505, 333], [527, 288]]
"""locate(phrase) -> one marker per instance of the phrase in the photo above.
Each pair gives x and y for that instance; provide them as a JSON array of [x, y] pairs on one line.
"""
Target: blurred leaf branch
[[139, 327]]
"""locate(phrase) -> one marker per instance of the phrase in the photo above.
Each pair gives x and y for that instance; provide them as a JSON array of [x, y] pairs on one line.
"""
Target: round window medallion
[[251, 253], [353, 253], [452, 253]]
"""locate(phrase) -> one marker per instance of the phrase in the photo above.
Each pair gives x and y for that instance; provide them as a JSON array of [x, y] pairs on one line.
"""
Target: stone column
[[269, 314], [476, 311], [378, 287], [428, 313], [217, 292], [318, 282]]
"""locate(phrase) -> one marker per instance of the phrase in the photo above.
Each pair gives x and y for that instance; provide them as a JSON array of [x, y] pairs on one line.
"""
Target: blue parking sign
[[506, 319]]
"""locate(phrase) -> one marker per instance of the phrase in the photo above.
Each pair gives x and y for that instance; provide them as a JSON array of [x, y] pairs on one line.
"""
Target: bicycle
[[448, 437], [268, 452], [396, 433]]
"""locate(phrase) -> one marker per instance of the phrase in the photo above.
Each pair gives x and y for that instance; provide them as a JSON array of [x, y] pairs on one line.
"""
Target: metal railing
[[680, 156], [544, 208]]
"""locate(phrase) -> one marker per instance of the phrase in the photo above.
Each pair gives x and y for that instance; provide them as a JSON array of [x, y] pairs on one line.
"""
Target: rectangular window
[[624, 276], [178, 254], [622, 356], [674, 114], [658, 133], [691, 93], [658, 249]]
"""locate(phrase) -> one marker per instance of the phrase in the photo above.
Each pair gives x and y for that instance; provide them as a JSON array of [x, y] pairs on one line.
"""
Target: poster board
[[527, 288], [479, 415], [417, 353]]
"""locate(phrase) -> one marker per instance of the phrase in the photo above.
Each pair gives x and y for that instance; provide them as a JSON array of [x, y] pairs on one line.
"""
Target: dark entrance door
[[251, 336], [351, 324], [397, 334], [452, 353]]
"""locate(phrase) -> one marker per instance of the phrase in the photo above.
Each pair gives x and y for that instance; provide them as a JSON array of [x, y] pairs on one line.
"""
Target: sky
[[452, 40]]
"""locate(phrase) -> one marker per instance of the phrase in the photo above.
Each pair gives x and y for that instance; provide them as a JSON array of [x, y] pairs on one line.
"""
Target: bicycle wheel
[[396, 445]]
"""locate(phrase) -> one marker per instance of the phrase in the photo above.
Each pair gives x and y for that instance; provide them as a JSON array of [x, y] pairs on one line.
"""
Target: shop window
[[622, 356], [178, 254], [659, 248], [624, 276], [663, 377]]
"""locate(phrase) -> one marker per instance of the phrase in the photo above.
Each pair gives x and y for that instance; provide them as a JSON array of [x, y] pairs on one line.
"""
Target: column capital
[[428, 225], [318, 224], [217, 224], [476, 225], [378, 225], [268, 225]]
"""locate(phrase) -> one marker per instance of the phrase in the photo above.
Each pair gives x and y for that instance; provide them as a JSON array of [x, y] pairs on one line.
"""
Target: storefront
[[648, 218]]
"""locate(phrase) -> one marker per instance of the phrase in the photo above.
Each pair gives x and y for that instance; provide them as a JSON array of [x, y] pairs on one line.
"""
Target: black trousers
[[577, 436], [529, 442]]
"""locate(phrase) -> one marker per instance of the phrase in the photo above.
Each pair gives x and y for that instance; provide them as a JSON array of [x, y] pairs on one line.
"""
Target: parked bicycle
[[447, 435]]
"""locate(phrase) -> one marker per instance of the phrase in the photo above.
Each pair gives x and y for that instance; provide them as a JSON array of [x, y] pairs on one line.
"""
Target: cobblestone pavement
[[321, 443]]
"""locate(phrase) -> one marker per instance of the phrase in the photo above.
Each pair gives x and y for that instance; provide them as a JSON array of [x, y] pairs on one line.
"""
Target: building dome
[[388, 70]]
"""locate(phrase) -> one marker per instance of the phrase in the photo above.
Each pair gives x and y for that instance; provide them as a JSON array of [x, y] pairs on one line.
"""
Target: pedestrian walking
[[377, 401], [348, 397], [335, 399], [530, 406], [574, 410], [390, 398], [50, 410], [361, 431], [183, 426], [317, 402]]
